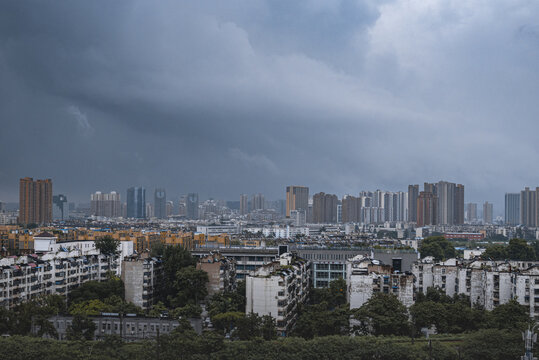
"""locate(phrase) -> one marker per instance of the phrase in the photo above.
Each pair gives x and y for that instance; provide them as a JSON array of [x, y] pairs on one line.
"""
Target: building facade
[[106, 205], [276, 290], [136, 203], [221, 272], [160, 203], [141, 277], [297, 198], [60, 207], [512, 208], [35, 201]]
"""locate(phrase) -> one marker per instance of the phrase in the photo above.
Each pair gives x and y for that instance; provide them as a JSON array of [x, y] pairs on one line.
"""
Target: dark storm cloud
[[246, 96]]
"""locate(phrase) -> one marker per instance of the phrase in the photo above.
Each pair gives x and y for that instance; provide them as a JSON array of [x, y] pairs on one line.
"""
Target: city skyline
[[202, 103]]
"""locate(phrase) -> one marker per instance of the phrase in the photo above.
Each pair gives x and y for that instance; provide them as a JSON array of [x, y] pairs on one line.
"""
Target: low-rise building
[[276, 290]]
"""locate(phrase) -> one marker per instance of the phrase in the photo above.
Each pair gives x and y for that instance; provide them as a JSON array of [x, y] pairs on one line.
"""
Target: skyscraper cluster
[[35, 201], [439, 203]]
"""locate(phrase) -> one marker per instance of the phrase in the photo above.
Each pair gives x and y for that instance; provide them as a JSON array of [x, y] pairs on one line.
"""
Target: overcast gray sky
[[230, 97]]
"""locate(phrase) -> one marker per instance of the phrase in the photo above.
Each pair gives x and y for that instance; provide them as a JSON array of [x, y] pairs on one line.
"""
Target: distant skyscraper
[[160, 203], [192, 206], [170, 208], [35, 201], [450, 199], [257, 202], [324, 208], [471, 212], [106, 205], [136, 202], [60, 207], [528, 207], [487, 212], [413, 193], [351, 209], [244, 204], [512, 208], [426, 209], [297, 198]]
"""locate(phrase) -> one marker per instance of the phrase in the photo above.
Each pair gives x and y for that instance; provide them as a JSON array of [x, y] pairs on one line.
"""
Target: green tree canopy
[[438, 247], [517, 249], [107, 245], [189, 286], [382, 314]]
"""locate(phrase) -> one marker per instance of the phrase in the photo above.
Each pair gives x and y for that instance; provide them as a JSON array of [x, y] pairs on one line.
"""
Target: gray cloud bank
[[228, 97]]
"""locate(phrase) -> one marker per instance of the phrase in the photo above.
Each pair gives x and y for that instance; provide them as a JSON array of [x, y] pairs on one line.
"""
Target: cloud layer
[[224, 98]]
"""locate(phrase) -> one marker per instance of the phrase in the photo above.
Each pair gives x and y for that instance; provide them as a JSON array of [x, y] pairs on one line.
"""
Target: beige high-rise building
[[325, 208], [297, 198], [35, 201]]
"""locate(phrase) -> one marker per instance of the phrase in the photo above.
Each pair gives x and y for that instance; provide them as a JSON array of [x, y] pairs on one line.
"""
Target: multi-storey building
[[136, 203], [28, 277], [427, 207], [413, 194], [191, 206], [351, 209], [325, 208], [258, 202], [35, 201], [106, 205], [244, 204], [487, 283], [365, 276], [471, 212], [221, 272], [488, 210], [276, 290], [60, 207], [528, 207], [141, 276], [297, 198], [512, 208], [160, 204]]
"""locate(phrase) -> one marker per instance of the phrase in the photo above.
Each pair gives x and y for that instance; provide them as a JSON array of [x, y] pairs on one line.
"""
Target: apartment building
[[487, 283], [221, 272], [276, 289], [27, 277], [141, 275], [366, 276]]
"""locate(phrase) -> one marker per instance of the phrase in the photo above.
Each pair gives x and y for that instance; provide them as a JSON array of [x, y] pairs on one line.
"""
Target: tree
[[510, 316], [175, 258], [107, 245], [81, 328], [189, 286], [95, 290], [382, 314], [322, 320], [438, 247], [495, 252], [519, 249], [267, 328], [492, 344], [334, 296]]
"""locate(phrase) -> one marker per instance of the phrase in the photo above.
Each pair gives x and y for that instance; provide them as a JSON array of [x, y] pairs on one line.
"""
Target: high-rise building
[[60, 207], [160, 203], [192, 206], [512, 208], [257, 202], [487, 212], [35, 201], [413, 193], [106, 205], [324, 208], [471, 212], [297, 198], [528, 207], [450, 199], [136, 202], [427, 206], [351, 209], [170, 208], [244, 204]]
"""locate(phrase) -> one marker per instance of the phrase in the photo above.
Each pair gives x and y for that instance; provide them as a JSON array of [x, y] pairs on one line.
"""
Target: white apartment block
[[27, 277], [365, 276], [276, 289], [487, 283]]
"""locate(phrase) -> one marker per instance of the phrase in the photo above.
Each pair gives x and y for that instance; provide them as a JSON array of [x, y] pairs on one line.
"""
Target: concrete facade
[[221, 273]]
